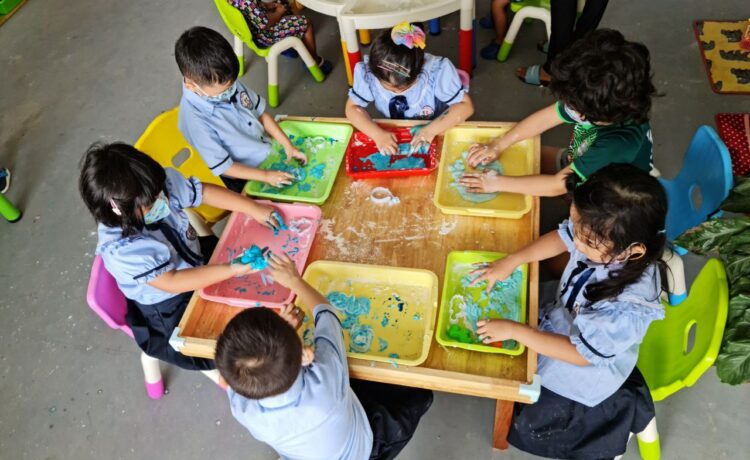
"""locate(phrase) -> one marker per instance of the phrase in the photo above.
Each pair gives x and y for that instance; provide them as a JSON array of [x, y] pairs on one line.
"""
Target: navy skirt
[[557, 427]]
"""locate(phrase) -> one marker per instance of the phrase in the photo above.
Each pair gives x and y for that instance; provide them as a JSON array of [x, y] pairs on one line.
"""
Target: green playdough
[[458, 168]]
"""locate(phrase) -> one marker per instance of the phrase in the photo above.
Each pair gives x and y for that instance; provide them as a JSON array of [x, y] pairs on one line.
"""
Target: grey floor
[[79, 71]]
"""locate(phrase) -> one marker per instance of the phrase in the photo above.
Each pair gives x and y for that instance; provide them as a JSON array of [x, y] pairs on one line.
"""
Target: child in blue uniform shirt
[[300, 402], [592, 394], [146, 241], [404, 82], [221, 118]]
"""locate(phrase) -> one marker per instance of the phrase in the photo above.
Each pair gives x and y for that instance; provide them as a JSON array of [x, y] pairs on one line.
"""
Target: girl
[[592, 395], [404, 82], [147, 243]]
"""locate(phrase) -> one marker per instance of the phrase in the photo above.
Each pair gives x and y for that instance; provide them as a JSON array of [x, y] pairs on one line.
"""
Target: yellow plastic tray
[[407, 330], [518, 160]]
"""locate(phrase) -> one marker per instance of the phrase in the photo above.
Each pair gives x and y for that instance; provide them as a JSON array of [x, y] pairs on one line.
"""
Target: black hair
[[605, 78], [119, 173], [622, 205], [383, 49], [259, 354], [206, 57]]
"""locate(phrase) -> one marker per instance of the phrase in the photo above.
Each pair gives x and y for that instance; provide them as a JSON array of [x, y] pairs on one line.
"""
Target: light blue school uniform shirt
[[170, 244], [438, 86], [225, 132], [319, 417], [607, 333]]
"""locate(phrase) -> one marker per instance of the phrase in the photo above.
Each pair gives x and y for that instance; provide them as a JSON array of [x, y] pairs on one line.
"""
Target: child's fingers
[[482, 277]]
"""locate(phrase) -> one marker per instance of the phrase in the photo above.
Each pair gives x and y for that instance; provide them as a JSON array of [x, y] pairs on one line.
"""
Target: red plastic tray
[[361, 146]]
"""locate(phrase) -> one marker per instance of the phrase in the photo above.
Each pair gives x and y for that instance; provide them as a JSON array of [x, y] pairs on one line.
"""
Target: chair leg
[[201, 227], [529, 12], [8, 210], [648, 442], [676, 286], [434, 26], [364, 36], [239, 50], [152, 376]]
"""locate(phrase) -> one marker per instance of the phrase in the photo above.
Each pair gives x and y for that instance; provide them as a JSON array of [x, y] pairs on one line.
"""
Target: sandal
[[325, 66], [532, 76], [490, 51], [543, 47]]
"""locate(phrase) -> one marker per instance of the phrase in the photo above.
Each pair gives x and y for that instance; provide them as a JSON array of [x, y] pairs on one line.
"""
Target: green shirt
[[593, 147]]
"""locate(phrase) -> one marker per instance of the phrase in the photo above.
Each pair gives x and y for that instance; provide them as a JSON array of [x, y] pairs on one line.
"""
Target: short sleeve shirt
[[136, 260], [438, 87], [593, 147], [225, 132]]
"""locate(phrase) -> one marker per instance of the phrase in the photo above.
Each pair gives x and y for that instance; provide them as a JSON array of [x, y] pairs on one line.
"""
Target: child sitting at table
[[147, 243], [300, 402], [221, 118], [404, 82], [603, 86], [592, 394]]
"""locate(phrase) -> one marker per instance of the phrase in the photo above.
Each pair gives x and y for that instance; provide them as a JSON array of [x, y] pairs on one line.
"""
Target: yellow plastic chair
[[236, 24], [164, 142]]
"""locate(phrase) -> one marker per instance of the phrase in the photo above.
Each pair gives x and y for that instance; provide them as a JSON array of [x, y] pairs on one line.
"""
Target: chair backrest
[[516, 5], [702, 184], [105, 298], [237, 25], [164, 142], [680, 348]]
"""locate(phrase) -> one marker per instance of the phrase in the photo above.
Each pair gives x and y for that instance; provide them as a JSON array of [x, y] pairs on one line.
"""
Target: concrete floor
[[74, 73]]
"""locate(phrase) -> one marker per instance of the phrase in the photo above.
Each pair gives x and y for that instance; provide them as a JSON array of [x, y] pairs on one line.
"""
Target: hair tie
[[663, 231], [115, 209], [408, 35]]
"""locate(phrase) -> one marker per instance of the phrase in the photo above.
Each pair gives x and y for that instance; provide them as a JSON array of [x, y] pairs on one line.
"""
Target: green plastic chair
[[236, 24]]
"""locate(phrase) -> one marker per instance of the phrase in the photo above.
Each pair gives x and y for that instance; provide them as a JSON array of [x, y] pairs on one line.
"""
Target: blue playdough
[[353, 307], [360, 338], [305, 177], [458, 168], [280, 221], [383, 344], [255, 257], [382, 162]]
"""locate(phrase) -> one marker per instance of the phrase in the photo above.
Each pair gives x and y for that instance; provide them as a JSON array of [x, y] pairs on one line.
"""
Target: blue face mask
[[225, 95], [159, 210]]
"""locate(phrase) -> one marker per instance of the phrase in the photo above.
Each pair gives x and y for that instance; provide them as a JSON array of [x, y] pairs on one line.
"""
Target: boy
[[299, 401], [221, 118], [603, 86]]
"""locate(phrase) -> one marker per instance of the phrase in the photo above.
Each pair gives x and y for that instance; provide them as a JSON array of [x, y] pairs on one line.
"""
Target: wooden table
[[418, 235]]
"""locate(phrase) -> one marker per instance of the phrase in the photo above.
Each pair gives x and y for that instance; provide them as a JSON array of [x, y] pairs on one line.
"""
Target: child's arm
[[538, 185], [273, 128], [360, 119], [549, 245], [274, 178], [222, 198], [534, 124], [453, 115], [191, 279], [284, 271]]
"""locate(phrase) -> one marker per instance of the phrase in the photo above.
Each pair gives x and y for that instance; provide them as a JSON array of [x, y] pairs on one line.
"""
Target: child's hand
[[283, 270], [481, 154], [265, 215], [277, 178], [292, 315], [422, 137], [498, 270], [484, 182], [294, 154], [495, 330], [240, 269], [386, 142]]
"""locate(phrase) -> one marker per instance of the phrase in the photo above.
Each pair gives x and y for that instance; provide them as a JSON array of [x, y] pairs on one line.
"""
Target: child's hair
[[259, 354], [622, 205], [119, 174], [395, 64], [206, 57], [605, 78]]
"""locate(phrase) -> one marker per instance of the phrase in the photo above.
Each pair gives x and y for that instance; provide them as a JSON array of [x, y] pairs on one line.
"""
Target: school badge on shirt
[[245, 99], [191, 234]]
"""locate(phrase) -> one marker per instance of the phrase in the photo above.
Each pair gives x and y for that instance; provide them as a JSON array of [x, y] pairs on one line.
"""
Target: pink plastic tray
[[241, 232]]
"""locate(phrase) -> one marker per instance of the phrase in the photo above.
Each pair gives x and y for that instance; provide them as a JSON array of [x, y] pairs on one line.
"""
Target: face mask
[[225, 95], [576, 116], [159, 210]]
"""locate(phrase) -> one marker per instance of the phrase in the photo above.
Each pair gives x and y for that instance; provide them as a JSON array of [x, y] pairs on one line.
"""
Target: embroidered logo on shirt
[[427, 112], [245, 100], [191, 234]]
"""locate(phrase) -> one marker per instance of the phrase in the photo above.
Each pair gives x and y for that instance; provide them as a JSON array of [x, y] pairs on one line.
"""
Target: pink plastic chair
[[105, 298]]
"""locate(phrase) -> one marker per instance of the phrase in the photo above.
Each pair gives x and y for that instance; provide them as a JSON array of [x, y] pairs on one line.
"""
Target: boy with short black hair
[[603, 86], [221, 118], [299, 401]]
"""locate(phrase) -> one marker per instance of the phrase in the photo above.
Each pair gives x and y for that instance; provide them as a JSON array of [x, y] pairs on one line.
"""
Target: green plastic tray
[[458, 265], [330, 152]]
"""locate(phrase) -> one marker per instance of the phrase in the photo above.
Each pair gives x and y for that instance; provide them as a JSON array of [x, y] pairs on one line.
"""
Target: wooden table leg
[[503, 416]]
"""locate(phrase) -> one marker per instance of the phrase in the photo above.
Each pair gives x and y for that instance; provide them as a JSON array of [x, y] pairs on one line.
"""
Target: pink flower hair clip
[[408, 35]]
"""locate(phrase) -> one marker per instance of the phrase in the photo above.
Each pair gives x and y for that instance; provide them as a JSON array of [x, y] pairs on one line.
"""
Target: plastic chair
[[8, 210], [105, 298], [694, 195], [236, 24], [163, 141]]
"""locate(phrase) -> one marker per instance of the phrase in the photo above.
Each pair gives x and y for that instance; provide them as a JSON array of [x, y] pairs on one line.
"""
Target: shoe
[[490, 51], [325, 66], [4, 180], [290, 53], [486, 22]]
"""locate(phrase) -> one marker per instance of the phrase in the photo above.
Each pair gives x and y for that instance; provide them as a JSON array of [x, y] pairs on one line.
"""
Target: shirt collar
[[289, 397], [203, 105]]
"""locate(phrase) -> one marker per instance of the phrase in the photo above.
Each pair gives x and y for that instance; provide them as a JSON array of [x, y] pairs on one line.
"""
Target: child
[[271, 22], [498, 21], [147, 243], [299, 401], [592, 395], [221, 118], [404, 82], [603, 86]]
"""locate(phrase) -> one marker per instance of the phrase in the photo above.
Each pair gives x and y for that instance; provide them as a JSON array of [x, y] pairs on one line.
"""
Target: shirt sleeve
[[565, 229], [329, 338], [361, 92], [139, 260], [448, 87], [607, 149], [610, 329], [203, 138], [563, 113], [253, 12], [257, 103], [183, 192]]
